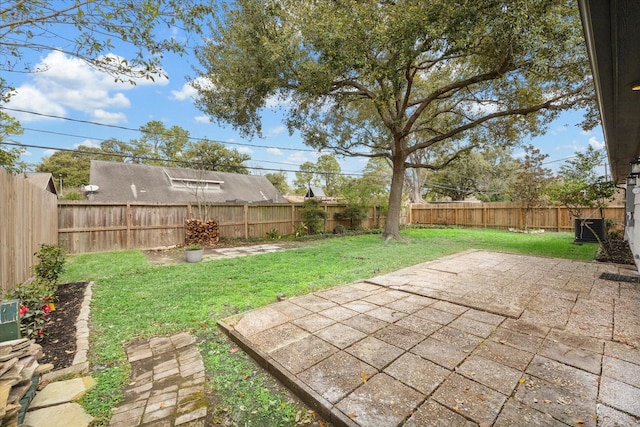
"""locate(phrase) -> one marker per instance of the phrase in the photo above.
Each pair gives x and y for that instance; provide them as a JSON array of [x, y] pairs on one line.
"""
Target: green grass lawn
[[133, 299]]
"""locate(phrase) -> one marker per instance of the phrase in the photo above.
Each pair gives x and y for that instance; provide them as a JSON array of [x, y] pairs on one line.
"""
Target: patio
[[477, 338]]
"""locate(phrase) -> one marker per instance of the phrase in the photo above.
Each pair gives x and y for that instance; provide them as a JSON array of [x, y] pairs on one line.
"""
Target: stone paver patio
[[474, 339]]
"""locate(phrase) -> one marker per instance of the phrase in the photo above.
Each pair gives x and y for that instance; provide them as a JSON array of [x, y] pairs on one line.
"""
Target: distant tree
[[531, 181], [328, 171], [580, 186], [163, 145], [306, 177], [372, 188], [485, 174], [387, 78], [214, 156], [72, 167], [9, 154], [279, 180]]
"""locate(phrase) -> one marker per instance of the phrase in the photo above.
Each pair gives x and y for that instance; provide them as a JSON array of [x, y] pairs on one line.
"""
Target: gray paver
[[313, 322], [418, 373], [442, 353], [490, 373], [433, 414], [365, 323], [609, 417], [619, 395], [381, 402], [300, 355], [504, 354], [374, 352], [621, 370], [337, 376], [341, 335], [399, 336], [516, 413], [470, 399], [579, 358], [562, 403]]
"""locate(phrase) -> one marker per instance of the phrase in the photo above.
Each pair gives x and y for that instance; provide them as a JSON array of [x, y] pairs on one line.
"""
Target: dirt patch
[[176, 255], [615, 251], [59, 343]]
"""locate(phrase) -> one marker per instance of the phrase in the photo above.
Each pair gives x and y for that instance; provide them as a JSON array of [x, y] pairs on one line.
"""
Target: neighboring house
[[318, 194], [42, 180], [121, 182]]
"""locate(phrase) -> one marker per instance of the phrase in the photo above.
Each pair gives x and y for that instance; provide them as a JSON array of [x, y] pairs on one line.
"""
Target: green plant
[[301, 229], [355, 214], [193, 247], [313, 215], [339, 229], [51, 263], [36, 302], [72, 195], [273, 234]]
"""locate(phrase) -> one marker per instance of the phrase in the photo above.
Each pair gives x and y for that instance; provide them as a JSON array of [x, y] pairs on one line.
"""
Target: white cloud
[[187, 91], [106, 117], [48, 153], [297, 157], [275, 151], [202, 119], [278, 101], [245, 150], [87, 143], [275, 131], [68, 83], [598, 145]]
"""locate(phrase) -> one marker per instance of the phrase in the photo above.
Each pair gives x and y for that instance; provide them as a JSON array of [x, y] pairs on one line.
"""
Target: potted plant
[[194, 252]]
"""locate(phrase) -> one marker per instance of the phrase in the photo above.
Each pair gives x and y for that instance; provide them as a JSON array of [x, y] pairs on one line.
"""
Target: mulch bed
[[59, 342]]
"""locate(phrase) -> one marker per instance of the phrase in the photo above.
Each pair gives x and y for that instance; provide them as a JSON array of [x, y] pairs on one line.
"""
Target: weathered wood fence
[[504, 215], [101, 226], [28, 218]]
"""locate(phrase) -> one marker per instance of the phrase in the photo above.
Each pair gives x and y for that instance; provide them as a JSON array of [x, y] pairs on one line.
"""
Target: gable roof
[[42, 180], [119, 182]]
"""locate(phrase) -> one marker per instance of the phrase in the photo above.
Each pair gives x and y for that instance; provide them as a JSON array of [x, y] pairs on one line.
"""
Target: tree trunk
[[392, 223]]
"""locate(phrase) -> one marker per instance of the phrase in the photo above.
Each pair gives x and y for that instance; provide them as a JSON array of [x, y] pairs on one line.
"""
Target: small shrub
[[36, 302], [273, 234], [354, 214], [301, 229], [51, 263], [339, 229], [72, 195], [194, 247], [313, 215]]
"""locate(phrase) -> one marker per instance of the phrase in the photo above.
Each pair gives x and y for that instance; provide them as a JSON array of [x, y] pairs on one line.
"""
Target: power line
[[159, 159], [52, 116]]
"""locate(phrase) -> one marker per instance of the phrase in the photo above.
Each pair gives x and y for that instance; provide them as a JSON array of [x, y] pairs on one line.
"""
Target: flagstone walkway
[[474, 339]]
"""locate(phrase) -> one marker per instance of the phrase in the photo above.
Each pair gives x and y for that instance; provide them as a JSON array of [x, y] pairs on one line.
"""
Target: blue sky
[[70, 88]]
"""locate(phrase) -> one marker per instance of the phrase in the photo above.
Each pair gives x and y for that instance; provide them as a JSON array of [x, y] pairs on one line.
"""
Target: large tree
[[92, 30], [363, 78]]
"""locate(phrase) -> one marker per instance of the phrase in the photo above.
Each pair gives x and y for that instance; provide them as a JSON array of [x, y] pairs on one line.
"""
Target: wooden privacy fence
[[504, 215], [28, 218], [102, 226]]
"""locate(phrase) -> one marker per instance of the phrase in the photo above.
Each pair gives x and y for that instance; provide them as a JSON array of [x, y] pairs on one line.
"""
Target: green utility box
[[9, 320]]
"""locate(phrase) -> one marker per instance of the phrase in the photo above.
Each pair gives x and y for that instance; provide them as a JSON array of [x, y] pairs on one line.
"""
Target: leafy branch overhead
[[388, 79], [91, 30]]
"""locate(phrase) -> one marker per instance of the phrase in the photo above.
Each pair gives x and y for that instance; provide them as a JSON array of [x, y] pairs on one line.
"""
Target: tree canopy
[[91, 30], [389, 78]]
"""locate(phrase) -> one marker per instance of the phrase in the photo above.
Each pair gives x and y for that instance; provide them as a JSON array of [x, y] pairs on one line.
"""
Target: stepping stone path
[[167, 385]]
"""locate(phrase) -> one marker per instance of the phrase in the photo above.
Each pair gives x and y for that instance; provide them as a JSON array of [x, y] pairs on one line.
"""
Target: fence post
[[128, 214], [246, 220]]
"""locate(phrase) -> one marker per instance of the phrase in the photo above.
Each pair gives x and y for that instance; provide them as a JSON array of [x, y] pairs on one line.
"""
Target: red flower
[[40, 332], [46, 299], [23, 310], [46, 308]]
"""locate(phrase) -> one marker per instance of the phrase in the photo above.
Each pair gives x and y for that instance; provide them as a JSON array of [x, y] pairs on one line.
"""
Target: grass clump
[[133, 299]]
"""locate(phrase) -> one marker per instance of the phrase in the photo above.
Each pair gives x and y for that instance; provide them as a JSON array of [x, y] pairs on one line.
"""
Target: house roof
[[315, 192], [42, 180], [612, 35], [118, 182]]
